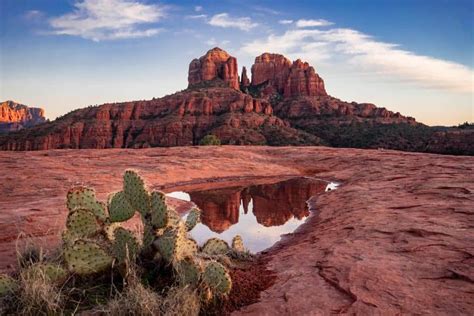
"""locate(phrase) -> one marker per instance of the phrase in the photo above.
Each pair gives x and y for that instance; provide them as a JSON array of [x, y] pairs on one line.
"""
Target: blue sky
[[411, 56]]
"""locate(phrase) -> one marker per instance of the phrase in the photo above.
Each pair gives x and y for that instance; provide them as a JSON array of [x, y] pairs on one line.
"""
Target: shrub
[[211, 140]]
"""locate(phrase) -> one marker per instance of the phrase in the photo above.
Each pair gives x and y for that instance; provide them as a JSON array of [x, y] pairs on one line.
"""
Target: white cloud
[[312, 23], [108, 19], [359, 51], [198, 8], [224, 20], [196, 16], [285, 22]]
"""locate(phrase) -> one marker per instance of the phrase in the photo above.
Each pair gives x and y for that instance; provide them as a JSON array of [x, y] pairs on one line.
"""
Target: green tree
[[210, 140]]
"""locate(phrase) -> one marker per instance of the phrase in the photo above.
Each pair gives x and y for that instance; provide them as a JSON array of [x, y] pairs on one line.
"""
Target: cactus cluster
[[94, 238]]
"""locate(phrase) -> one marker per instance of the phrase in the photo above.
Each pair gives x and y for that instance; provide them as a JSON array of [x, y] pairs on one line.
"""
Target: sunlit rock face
[[15, 116], [284, 103], [279, 75], [216, 64]]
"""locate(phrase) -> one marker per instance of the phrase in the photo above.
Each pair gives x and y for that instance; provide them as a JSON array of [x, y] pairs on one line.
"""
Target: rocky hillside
[[15, 116], [284, 103]]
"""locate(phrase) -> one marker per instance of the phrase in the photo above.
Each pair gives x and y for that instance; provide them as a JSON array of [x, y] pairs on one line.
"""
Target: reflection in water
[[260, 213]]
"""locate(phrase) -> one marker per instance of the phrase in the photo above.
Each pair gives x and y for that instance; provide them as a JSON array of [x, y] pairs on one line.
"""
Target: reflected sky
[[260, 213]]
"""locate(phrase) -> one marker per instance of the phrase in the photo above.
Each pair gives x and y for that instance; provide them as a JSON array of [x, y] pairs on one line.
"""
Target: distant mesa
[[15, 116], [283, 103]]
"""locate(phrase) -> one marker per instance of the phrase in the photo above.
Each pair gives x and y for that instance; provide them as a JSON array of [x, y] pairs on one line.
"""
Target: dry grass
[[38, 295], [181, 301], [136, 299]]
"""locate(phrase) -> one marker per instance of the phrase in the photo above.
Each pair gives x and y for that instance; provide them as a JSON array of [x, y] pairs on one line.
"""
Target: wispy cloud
[[359, 51], [266, 10], [225, 20], [312, 23], [284, 22], [213, 42], [196, 16], [99, 20], [198, 8], [33, 15]]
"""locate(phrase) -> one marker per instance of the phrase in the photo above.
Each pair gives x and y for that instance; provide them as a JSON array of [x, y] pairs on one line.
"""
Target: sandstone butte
[[284, 103], [15, 116], [396, 238]]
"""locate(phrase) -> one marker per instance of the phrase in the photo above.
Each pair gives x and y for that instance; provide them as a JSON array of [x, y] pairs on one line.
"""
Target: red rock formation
[[220, 208], [177, 120], [272, 69], [216, 64], [15, 116], [303, 81], [292, 108], [288, 79], [244, 81]]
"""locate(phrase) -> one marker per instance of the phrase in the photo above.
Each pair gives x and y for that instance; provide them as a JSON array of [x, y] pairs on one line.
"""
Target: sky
[[415, 57]]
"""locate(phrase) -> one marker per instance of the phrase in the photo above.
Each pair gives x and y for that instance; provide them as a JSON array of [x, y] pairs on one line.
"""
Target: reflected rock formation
[[273, 204], [220, 208]]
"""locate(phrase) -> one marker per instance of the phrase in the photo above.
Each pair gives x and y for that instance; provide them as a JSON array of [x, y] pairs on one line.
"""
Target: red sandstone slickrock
[[395, 238]]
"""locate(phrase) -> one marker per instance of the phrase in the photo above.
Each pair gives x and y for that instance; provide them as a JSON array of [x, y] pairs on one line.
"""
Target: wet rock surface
[[395, 238]]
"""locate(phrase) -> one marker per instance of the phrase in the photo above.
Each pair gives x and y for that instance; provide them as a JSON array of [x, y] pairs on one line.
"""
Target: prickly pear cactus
[[174, 245], [148, 236], [125, 246], [158, 210], [238, 244], [217, 278], [215, 246], [120, 209], [188, 271], [7, 285], [86, 257], [84, 198], [53, 273], [193, 218], [82, 223], [135, 191]]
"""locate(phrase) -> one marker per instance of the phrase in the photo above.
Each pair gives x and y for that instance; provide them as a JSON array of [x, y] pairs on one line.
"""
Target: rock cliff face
[[15, 116], [216, 64], [284, 103], [279, 76], [177, 120]]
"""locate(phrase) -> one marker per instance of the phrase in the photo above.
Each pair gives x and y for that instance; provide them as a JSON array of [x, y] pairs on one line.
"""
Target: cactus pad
[[120, 209], [7, 285], [193, 218], [148, 236], [47, 271], [174, 245], [215, 246], [84, 198], [86, 257], [82, 223], [238, 244], [217, 278], [125, 245], [158, 210], [188, 271], [135, 191]]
